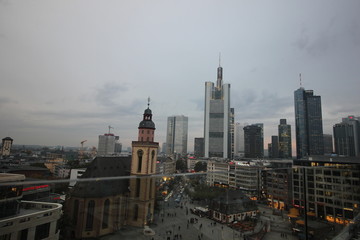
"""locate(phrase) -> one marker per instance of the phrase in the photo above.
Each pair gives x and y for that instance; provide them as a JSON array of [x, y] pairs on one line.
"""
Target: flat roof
[[10, 177]]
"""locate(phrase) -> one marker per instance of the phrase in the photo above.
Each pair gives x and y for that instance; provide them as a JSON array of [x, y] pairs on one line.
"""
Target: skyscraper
[[274, 147], [285, 149], [239, 140], [176, 135], [254, 141], [199, 147], [107, 143], [328, 144], [217, 118], [308, 121], [347, 136]]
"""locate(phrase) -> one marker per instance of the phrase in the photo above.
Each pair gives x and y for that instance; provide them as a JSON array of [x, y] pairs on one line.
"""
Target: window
[[105, 223], [42, 231], [137, 190], [140, 155], [152, 160], [150, 188], [136, 212], [5, 237], [90, 215], [75, 211], [24, 234]]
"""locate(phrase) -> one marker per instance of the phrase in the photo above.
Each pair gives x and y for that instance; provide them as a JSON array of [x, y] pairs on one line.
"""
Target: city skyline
[[68, 70]]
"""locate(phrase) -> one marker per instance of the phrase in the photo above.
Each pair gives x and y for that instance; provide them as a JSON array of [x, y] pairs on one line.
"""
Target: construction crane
[[81, 153]]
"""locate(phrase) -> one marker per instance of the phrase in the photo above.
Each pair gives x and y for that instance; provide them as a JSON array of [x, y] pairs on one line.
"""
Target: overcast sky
[[70, 68]]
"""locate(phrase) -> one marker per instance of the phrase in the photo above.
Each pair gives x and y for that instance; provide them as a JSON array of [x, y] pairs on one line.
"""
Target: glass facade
[[254, 141], [285, 149], [177, 135], [308, 121], [218, 119]]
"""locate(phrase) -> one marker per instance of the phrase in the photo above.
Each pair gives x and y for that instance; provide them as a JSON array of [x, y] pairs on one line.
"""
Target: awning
[[312, 214], [293, 213], [301, 222]]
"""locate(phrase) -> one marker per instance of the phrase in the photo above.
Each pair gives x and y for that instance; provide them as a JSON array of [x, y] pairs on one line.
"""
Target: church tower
[[143, 165]]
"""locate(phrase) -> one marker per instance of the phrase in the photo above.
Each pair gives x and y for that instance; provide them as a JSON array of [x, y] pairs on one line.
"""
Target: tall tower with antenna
[[308, 123], [217, 118]]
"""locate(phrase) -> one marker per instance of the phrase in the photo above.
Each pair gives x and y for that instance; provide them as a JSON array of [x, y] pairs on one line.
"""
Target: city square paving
[[174, 223]]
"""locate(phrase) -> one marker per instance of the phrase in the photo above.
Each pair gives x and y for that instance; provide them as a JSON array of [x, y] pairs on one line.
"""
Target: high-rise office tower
[[239, 140], [107, 143], [176, 135], [308, 121], [217, 118], [163, 148], [254, 141], [347, 136], [232, 133], [285, 149], [274, 147], [199, 147], [328, 144]]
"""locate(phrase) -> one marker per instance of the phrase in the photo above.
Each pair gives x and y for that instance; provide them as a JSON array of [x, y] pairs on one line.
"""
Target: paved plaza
[[173, 222]]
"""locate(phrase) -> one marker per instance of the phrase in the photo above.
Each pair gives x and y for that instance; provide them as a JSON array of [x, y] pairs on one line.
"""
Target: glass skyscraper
[[285, 149], [308, 123], [217, 119], [347, 136], [177, 134], [254, 140]]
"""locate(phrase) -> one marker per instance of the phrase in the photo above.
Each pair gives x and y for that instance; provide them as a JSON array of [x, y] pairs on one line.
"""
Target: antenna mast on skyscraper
[[300, 79], [110, 128], [219, 59]]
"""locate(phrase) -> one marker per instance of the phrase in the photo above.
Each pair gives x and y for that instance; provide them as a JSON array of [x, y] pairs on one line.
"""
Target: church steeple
[[146, 126]]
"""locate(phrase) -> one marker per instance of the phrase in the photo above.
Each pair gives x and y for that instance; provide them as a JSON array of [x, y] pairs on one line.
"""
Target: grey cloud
[[314, 47], [303, 41], [6, 100], [320, 45], [354, 32], [256, 106], [105, 96], [5, 2], [199, 103], [343, 110]]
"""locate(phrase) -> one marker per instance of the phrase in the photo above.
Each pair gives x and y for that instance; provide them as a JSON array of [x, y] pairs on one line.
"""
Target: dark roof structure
[[232, 202], [8, 138], [104, 167], [147, 120]]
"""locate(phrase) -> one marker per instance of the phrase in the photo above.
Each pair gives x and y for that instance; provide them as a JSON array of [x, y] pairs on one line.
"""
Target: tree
[[181, 165], [200, 166]]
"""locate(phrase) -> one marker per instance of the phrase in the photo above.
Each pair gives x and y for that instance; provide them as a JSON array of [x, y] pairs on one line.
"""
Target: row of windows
[[140, 154], [90, 214]]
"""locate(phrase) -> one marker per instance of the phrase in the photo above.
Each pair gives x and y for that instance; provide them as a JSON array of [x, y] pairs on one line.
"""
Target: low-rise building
[[232, 206], [25, 219]]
